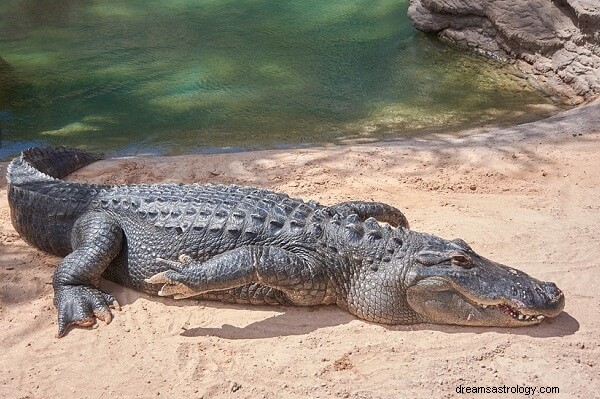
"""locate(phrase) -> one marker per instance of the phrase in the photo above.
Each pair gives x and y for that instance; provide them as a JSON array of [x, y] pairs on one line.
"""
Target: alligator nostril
[[551, 290], [555, 299], [547, 298]]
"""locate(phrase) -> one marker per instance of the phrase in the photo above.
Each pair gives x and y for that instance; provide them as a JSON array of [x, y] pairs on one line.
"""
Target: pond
[[181, 76]]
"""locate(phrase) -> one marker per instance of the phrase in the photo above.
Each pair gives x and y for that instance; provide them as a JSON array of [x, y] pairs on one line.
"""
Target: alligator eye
[[462, 260]]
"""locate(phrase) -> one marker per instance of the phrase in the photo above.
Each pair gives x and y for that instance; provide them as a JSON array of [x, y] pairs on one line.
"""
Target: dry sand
[[527, 196]]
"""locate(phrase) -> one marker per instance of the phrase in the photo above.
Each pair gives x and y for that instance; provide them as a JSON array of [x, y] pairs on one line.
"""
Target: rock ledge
[[555, 41]]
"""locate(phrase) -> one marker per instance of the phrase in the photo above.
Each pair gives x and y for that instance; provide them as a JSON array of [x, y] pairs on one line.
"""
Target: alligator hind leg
[[273, 267], [378, 210], [96, 240]]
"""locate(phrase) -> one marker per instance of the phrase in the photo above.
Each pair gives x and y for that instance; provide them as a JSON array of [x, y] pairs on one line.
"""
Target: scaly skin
[[250, 245]]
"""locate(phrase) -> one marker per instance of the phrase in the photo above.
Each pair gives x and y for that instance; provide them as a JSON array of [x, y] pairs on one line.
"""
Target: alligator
[[250, 245]]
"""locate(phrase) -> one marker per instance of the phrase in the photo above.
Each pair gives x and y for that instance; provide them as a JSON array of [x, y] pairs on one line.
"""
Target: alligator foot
[[172, 279], [81, 305]]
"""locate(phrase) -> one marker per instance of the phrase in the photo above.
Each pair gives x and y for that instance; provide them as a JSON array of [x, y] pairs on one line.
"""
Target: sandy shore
[[526, 196]]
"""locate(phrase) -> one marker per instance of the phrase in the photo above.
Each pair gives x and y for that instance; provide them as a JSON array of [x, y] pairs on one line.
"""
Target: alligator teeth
[[515, 313]]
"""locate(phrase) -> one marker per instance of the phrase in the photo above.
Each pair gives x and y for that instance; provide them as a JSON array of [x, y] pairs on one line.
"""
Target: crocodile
[[250, 245]]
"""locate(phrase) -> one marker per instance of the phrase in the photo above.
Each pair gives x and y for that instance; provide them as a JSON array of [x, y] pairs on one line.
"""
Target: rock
[[587, 13], [535, 25], [556, 42], [235, 387]]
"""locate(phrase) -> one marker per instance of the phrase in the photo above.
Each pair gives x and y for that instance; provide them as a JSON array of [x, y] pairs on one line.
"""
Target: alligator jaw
[[438, 300]]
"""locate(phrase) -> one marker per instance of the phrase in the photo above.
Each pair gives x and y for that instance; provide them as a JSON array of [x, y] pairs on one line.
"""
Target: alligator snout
[[553, 299], [552, 290]]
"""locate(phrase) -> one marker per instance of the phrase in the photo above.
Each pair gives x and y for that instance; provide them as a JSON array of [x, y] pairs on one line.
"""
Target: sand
[[527, 196]]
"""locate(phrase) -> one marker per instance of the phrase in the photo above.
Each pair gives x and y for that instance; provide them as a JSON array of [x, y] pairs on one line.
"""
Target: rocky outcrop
[[556, 41]]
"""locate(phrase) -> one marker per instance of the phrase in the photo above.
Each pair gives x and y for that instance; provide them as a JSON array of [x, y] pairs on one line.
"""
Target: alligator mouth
[[515, 313], [442, 301], [518, 311]]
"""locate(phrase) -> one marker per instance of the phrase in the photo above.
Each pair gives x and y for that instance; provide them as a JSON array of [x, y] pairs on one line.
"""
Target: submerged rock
[[558, 42]]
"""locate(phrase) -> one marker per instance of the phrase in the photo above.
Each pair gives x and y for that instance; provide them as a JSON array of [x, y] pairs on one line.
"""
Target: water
[[174, 76]]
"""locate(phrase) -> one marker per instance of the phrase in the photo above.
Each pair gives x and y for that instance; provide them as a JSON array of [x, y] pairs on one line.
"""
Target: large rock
[[558, 42], [587, 13]]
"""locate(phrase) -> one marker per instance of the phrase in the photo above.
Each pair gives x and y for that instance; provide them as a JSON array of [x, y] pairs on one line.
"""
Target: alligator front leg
[[96, 240], [270, 266]]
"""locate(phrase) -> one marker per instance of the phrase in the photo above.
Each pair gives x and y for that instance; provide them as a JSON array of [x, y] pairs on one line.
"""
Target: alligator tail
[[43, 207], [36, 164]]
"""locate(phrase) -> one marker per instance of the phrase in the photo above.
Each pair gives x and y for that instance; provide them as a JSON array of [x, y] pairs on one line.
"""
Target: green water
[[173, 76]]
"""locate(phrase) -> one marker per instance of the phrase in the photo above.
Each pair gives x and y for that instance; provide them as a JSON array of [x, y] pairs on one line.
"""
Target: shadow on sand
[[301, 322]]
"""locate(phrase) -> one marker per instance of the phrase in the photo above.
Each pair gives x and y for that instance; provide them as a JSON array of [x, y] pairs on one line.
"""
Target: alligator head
[[448, 283]]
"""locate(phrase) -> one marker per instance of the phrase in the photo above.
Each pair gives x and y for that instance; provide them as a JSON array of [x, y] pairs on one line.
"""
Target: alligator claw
[[113, 304], [178, 265], [171, 284], [103, 315], [178, 291], [174, 280], [166, 277], [81, 305], [184, 259]]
